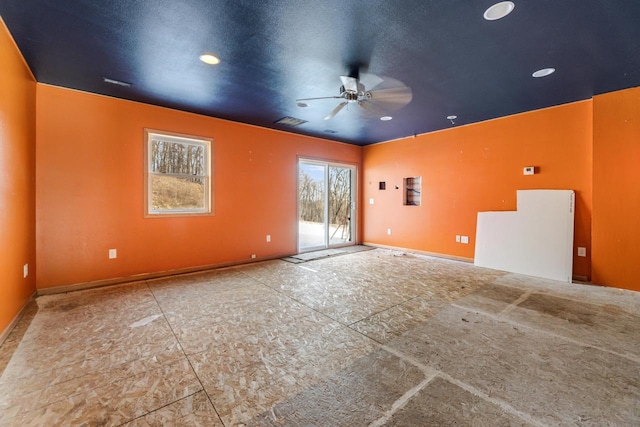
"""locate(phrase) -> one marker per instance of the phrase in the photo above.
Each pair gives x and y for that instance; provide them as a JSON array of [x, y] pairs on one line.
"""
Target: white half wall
[[536, 240]]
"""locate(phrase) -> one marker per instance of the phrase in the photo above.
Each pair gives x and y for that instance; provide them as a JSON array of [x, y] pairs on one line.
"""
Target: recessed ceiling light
[[386, 118], [544, 72], [207, 58], [452, 117], [302, 105], [499, 10]]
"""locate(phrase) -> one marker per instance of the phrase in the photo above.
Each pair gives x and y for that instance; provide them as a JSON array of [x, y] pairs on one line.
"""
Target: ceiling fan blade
[[322, 97], [336, 110], [371, 81], [350, 83], [371, 108], [394, 97]]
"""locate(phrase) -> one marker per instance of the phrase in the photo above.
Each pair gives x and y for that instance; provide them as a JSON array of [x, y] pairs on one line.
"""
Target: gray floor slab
[[554, 380], [441, 403]]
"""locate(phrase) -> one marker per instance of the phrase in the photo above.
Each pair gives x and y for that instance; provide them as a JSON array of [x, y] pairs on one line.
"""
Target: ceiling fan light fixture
[[386, 118], [210, 59], [499, 10], [452, 117], [543, 72]]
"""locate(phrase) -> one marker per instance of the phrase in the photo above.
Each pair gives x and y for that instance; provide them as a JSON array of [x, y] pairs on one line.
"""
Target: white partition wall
[[536, 240]]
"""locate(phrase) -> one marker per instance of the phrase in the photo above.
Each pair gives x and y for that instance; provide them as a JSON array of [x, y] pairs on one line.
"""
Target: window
[[178, 174], [412, 191]]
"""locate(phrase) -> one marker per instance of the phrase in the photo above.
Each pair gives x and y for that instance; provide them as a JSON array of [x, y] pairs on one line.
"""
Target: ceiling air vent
[[290, 121], [116, 82]]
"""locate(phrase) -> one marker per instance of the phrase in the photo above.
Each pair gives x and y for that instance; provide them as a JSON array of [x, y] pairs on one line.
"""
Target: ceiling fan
[[384, 95]]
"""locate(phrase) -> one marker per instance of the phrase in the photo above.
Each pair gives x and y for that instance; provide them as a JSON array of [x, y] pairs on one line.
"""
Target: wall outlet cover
[[464, 239], [113, 253]]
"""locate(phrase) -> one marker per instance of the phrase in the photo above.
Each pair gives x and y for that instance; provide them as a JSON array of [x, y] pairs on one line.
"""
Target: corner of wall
[[17, 181]]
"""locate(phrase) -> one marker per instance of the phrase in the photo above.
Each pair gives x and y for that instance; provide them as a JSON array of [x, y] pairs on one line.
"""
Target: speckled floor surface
[[371, 338]]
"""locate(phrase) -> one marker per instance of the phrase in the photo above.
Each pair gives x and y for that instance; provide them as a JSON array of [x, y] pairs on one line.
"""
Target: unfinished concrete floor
[[371, 338]]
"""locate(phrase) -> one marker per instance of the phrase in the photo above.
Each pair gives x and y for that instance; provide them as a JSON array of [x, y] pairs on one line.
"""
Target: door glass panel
[[340, 179], [311, 198]]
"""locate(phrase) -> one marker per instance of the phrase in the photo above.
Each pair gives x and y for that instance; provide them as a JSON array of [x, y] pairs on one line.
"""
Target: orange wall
[[476, 168], [17, 179], [616, 189], [90, 188]]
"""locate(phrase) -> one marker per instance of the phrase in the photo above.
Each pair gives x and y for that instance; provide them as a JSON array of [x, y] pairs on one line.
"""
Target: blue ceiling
[[274, 52]]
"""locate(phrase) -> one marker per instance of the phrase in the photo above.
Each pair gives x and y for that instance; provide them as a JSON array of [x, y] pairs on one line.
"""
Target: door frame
[[354, 201]]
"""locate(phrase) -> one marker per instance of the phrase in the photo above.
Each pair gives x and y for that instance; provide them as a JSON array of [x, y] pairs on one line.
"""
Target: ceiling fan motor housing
[[352, 95]]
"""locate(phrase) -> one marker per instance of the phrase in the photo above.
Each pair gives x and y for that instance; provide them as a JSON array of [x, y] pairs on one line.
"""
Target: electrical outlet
[[268, 238], [253, 256], [371, 201], [113, 254], [389, 231], [464, 239], [25, 270], [457, 238], [582, 251]]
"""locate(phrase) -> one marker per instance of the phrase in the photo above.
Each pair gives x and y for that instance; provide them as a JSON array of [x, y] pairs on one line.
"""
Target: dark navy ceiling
[[273, 52]]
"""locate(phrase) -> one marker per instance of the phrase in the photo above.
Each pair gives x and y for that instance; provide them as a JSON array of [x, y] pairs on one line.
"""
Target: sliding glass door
[[326, 205]]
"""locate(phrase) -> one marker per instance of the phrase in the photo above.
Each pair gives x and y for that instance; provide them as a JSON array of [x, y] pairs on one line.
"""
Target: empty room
[[319, 213]]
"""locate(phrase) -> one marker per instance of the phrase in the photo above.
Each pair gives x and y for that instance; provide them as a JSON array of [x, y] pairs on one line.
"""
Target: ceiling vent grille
[[116, 82], [290, 121]]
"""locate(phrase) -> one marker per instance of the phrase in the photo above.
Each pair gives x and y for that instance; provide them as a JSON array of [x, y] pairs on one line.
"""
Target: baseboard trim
[[416, 251], [5, 333], [148, 276]]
